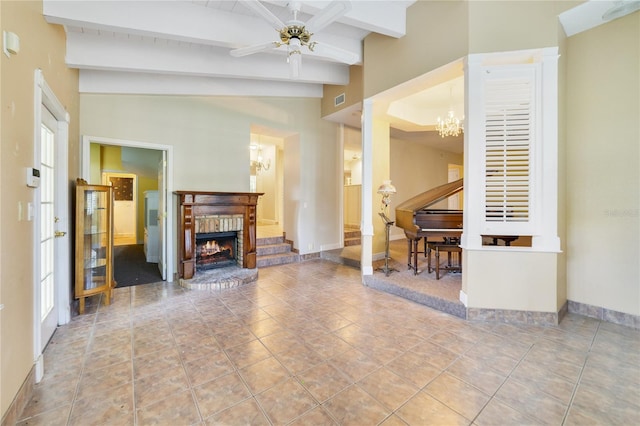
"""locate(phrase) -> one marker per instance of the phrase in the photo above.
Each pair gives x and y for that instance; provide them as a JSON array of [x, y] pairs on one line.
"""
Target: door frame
[[44, 96], [85, 169]]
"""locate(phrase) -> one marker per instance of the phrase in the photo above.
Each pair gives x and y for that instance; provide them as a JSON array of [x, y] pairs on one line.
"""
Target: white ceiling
[[182, 47]]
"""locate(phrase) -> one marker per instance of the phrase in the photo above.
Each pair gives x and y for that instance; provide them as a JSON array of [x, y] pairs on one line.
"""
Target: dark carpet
[[130, 267]]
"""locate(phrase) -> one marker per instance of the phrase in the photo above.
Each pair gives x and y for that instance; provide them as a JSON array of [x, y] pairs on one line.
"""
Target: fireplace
[[216, 250], [215, 213]]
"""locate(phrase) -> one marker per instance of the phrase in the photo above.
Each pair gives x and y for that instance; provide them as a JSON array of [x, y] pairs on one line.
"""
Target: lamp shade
[[386, 188]]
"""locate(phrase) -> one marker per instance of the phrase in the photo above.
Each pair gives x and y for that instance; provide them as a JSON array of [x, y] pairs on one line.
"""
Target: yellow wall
[[110, 159], [95, 160], [603, 165], [42, 46]]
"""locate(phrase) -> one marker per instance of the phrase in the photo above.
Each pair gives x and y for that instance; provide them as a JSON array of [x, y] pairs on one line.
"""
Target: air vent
[[339, 99]]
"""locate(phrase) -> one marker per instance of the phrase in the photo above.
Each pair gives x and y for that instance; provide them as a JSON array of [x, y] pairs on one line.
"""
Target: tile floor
[[307, 344]]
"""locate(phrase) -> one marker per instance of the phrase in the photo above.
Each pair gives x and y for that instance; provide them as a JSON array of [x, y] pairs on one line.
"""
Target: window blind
[[509, 134]]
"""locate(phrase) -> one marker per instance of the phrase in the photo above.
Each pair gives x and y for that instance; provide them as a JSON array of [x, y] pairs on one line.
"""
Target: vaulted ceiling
[[182, 47]]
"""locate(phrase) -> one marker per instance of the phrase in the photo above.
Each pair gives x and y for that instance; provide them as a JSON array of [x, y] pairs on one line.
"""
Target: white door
[[48, 224], [124, 207], [50, 213], [162, 215]]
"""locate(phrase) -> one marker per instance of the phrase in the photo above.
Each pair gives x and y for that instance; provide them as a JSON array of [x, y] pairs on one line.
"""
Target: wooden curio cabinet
[[94, 242]]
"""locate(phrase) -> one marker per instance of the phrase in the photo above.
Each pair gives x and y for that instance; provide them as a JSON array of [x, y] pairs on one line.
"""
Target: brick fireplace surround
[[216, 212]]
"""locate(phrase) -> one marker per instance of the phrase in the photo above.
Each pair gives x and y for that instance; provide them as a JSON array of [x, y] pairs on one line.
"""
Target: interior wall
[[211, 137], [437, 34], [42, 46], [503, 26], [415, 168], [603, 165], [352, 92]]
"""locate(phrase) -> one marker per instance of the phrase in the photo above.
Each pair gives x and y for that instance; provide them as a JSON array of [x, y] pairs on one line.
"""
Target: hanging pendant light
[[451, 125]]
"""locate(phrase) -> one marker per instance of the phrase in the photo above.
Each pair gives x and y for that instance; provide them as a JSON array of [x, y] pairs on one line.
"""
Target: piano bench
[[446, 247]]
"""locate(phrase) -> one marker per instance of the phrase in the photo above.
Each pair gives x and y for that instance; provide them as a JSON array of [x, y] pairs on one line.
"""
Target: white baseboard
[[463, 298], [333, 246]]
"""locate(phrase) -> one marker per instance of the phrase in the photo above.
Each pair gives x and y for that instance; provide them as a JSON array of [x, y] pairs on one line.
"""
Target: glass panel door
[[48, 313]]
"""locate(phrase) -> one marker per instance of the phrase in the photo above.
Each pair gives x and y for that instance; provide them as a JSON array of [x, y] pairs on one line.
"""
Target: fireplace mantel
[[195, 204]]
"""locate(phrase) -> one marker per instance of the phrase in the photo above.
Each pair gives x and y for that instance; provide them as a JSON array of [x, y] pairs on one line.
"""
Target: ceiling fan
[[296, 35]]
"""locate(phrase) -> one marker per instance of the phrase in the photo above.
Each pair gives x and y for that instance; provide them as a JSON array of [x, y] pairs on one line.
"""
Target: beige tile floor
[[307, 344]]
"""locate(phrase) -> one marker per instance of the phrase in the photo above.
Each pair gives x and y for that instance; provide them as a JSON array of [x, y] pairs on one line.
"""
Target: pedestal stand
[[387, 223]]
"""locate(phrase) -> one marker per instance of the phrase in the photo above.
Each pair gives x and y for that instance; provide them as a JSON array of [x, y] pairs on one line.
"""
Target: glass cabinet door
[[96, 239], [93, 242]]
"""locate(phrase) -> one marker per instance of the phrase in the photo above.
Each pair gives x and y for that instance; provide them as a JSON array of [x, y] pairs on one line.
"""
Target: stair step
[[265, 241], [267, 249], [277, 259], [351, 234], [352, 242]]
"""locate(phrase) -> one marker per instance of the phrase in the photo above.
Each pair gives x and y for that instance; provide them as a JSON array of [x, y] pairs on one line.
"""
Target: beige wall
[[502, 26], [603, 164], [416, 168], [512, 280], [42, 46], [437, 33], [352, 91], [210, 138], [440, 32]]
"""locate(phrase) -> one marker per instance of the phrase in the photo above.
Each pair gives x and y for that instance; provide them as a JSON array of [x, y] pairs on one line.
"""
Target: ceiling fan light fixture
[[296, 34], [294, 58]]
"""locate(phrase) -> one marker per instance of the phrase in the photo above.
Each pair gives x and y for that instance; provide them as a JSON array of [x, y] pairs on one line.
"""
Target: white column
[[547, 167], [473, 154], [366, 224]]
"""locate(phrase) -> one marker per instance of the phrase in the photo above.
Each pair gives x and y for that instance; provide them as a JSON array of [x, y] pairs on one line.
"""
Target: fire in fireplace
[[215, 250]]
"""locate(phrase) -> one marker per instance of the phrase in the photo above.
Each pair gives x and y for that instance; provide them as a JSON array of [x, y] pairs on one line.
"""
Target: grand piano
[[418, 221]]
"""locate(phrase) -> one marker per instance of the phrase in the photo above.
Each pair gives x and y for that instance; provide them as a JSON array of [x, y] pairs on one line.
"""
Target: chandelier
[[450, 126], [259, 164]]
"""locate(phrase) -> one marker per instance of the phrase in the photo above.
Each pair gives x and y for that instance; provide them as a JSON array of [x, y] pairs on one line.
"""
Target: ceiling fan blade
[[250, 50], [328, 15], [265, 13], [333, 52]]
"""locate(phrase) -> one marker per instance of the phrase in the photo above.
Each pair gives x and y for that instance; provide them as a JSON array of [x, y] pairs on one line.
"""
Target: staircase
[[351, 236], [274, 251]]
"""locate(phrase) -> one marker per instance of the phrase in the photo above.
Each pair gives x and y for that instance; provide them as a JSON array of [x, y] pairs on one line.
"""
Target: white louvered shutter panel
[[510, 107]]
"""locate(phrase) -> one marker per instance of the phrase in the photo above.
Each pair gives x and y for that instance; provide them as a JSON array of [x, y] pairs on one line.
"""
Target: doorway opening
[[125, 206], [136, 168], [266, 154]]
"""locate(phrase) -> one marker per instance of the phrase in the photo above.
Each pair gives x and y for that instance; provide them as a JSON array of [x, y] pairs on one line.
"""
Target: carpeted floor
[[131, 267]]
